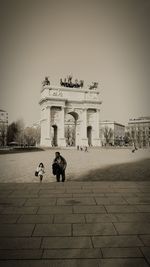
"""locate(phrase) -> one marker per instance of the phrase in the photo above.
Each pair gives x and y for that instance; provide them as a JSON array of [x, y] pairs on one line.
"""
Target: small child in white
[[41, 171]]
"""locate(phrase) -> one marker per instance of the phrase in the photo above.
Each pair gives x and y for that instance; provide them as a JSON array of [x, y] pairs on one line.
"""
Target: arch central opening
[[70, 129]]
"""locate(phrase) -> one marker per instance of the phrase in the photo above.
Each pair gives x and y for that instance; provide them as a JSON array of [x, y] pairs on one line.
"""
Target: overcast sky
[[107, 41]]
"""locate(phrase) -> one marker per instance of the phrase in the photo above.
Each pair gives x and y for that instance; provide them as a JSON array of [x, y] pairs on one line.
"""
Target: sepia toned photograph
[[75, 133]]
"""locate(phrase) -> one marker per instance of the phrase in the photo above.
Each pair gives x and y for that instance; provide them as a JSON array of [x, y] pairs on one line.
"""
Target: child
[[41, 171]]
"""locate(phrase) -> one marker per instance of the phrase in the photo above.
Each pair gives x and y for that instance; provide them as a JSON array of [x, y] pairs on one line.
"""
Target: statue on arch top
[[46, 81], [69, 83], [94, 85]]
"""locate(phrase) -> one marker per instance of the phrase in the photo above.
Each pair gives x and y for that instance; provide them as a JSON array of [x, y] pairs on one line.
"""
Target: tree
[[29, 136], [108, 134], [15, 132], [32, 136], [3, 134], [20, 132], [12, 132], [127, 138], [37, 134]]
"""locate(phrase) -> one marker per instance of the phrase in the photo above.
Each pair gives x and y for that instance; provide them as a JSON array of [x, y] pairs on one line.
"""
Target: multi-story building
[[112, 133], [3, 127], [139, 130]]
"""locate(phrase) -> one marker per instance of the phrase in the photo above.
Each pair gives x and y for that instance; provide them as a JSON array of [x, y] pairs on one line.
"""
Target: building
[[139, 130], [112, 133], [70, 114], [3, 127]]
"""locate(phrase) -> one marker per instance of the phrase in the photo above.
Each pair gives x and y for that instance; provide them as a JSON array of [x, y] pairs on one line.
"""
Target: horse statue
[[46, 81], [94, 85]]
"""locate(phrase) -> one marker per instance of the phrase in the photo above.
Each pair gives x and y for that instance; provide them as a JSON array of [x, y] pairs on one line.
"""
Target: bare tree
[[3, 134], [19, 138], [29, 136], [37, 134], [108, 134], [127, 138]]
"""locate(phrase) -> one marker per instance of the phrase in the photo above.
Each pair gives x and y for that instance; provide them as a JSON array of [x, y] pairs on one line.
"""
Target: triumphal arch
[[70, 114]]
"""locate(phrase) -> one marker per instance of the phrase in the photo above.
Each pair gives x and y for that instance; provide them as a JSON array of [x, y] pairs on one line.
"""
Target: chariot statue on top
[[67, 82]]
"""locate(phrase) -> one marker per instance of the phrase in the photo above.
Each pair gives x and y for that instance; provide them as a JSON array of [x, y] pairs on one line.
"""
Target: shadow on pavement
[[135, 171], [20, 150]]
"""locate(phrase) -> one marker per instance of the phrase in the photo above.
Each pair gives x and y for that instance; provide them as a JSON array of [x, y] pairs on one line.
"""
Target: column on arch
[[84, 127], [48, 124], [62, 128], [96, 126]]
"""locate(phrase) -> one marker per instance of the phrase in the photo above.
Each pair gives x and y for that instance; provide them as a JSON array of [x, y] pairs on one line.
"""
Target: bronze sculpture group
[[67, 82]]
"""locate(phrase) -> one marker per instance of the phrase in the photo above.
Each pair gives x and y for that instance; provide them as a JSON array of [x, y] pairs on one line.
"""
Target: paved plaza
[[76, 223], [73, 224]]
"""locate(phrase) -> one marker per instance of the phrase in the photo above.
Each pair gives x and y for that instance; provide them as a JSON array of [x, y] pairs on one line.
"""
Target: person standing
[[59, 166]]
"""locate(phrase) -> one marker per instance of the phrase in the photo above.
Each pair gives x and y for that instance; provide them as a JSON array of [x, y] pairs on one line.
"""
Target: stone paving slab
[[55, 210], [145, 239], [20, 210], [110, 200], [73, 254], [66, 242], [40, 202], [76, 263], [35, 219], [146, 252], [117, 241], [76, 201], [20, 242], [133, 228], [133, 217], [143, 208], [121, 208], [99, 224], [121, 253], [93, 218], [52, 230], [6, 218], [11, 201], [70, 218], [20, 254], [89, 209], [16, 230], [93, 229]]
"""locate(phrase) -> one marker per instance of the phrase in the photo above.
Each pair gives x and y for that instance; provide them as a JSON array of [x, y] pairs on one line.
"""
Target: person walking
[[59, 166], [134, 148], [40, 171]]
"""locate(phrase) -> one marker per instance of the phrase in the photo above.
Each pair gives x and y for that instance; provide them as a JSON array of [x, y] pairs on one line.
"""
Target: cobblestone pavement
[[98, 224]]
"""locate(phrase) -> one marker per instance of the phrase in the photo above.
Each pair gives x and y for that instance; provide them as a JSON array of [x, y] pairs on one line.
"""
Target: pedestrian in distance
[[40, 171], [134, 148], [59, 166]]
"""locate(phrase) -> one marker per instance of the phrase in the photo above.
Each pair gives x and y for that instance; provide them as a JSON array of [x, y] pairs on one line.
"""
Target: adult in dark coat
[[59, 166]]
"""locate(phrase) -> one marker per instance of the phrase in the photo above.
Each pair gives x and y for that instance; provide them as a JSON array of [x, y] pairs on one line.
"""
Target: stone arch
[[82, 105]]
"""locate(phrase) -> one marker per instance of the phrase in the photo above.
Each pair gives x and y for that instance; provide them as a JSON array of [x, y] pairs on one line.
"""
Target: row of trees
[[21, 135], [109, 137]]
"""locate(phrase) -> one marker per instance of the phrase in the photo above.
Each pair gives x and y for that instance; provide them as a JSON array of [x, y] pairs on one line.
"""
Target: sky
[[106, 41]]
